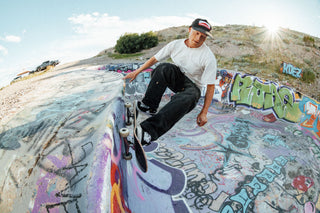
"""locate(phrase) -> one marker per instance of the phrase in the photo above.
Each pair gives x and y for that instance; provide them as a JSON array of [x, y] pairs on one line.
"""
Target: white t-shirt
[[198, 64]]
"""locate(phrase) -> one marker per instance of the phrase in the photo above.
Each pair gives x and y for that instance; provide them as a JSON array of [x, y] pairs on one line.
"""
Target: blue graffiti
[[258, 184], [275, 140], [291, 70], [240, 133]]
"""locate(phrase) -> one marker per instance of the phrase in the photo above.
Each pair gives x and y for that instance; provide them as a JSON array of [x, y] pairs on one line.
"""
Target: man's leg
[[180, 104], [164, 76]]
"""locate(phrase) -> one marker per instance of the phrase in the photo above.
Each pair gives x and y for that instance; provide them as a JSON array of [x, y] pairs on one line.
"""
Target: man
[[194, 66]]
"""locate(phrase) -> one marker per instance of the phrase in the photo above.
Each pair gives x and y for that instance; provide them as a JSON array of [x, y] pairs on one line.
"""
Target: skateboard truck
[[124, 133], [129, 113], [135, 142]]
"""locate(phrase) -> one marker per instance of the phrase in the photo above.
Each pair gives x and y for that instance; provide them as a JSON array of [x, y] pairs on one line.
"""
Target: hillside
[[248, 49], [253, 50]]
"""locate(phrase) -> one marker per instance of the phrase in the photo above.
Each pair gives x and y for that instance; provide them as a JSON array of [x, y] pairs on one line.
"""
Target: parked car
[[16, 78], [55, 62], [45, 64]]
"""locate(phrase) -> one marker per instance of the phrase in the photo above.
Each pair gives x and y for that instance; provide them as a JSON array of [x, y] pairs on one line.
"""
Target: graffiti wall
[[240, 162], [138, 86], [259, 151], [56, 153]]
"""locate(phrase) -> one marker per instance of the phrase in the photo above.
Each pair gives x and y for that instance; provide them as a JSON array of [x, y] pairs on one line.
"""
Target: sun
[[272, 28], [273, 34]]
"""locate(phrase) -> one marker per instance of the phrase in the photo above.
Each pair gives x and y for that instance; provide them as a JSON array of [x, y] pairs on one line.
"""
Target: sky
[[34, 31]]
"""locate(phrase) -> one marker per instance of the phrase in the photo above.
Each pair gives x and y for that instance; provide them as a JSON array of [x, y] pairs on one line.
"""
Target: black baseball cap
[[202, 25]]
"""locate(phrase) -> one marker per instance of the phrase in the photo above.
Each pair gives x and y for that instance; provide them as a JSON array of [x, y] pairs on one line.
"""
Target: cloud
[[11, 38], [3, 50], [105, 30], [103, 23], [95, 32]]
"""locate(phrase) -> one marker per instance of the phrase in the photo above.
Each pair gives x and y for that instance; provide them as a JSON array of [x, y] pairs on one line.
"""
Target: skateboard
[[135, 144]]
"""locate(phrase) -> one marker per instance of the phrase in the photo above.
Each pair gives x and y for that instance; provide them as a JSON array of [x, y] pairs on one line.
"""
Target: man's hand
[[147, 64], [202, 119], [131, 75]]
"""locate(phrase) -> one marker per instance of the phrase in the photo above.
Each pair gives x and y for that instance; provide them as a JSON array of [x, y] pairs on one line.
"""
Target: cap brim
[[203, 31], [209, 34]]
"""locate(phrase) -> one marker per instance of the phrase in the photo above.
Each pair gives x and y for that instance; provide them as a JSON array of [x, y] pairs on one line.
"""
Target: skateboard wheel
[[127, 104], [124, 132], [127, 156]]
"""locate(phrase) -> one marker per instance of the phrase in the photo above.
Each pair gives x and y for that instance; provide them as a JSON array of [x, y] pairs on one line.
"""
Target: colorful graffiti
[[138, 86], [270, 169], [289, 69], [249, 191], [251, 91], [311, 112], [63, 152], [55, 141]]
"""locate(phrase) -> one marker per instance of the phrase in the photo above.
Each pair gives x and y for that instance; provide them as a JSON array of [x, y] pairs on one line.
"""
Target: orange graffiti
[[117, 199], [318, 127]]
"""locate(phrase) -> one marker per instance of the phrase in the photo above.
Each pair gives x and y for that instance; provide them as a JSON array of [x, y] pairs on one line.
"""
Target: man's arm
[[202, 117], [145, 66]]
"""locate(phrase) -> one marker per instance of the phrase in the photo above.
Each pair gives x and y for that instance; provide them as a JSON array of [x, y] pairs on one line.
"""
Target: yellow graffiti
[[115, 194]]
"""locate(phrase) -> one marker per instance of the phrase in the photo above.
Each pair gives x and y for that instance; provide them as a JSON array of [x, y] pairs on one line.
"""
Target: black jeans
[[183, 101]]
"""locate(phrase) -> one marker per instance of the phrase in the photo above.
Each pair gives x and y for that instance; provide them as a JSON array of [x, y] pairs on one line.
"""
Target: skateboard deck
[[140, 154], [136, 143]]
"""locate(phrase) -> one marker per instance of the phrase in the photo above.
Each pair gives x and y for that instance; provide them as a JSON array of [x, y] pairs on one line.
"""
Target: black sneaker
[[146, 109]]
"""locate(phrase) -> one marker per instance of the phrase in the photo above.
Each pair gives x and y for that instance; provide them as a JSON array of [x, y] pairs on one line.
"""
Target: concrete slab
[[259, 151]]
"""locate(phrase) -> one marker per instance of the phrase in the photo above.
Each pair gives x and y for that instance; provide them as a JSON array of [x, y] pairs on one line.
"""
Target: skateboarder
[[194, 66]]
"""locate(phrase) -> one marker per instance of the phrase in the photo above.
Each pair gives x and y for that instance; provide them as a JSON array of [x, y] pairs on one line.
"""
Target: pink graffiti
[[309, 207]]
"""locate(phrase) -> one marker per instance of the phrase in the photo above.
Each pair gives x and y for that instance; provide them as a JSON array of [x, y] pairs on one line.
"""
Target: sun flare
[[272, 24], [272, 28], [272, 34]]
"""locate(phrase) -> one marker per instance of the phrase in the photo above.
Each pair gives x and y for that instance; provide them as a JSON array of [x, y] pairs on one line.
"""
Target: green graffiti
[[250, 91]]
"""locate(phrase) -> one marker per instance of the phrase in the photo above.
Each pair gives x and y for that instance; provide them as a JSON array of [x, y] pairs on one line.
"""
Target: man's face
[[196, 38]]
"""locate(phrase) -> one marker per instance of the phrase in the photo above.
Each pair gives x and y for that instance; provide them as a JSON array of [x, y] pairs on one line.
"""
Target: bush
[[308, 75], [132, 43], [308, 40], [148, 40]]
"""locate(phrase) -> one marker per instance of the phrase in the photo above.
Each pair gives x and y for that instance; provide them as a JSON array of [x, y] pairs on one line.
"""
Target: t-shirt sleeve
[[165, 52]]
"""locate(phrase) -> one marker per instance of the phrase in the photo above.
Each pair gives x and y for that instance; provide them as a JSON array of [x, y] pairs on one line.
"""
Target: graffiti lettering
[[258, 184], [250, 91], [199, 189], [287, 68]]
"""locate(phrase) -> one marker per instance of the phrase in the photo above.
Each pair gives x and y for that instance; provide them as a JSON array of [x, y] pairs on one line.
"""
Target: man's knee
[[188, 97], [194, 96], [161, 68]]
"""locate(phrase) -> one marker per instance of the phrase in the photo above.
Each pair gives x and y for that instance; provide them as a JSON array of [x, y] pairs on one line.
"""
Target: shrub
[[148, 40], [132, 43], [308, 40], [308, 75]]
